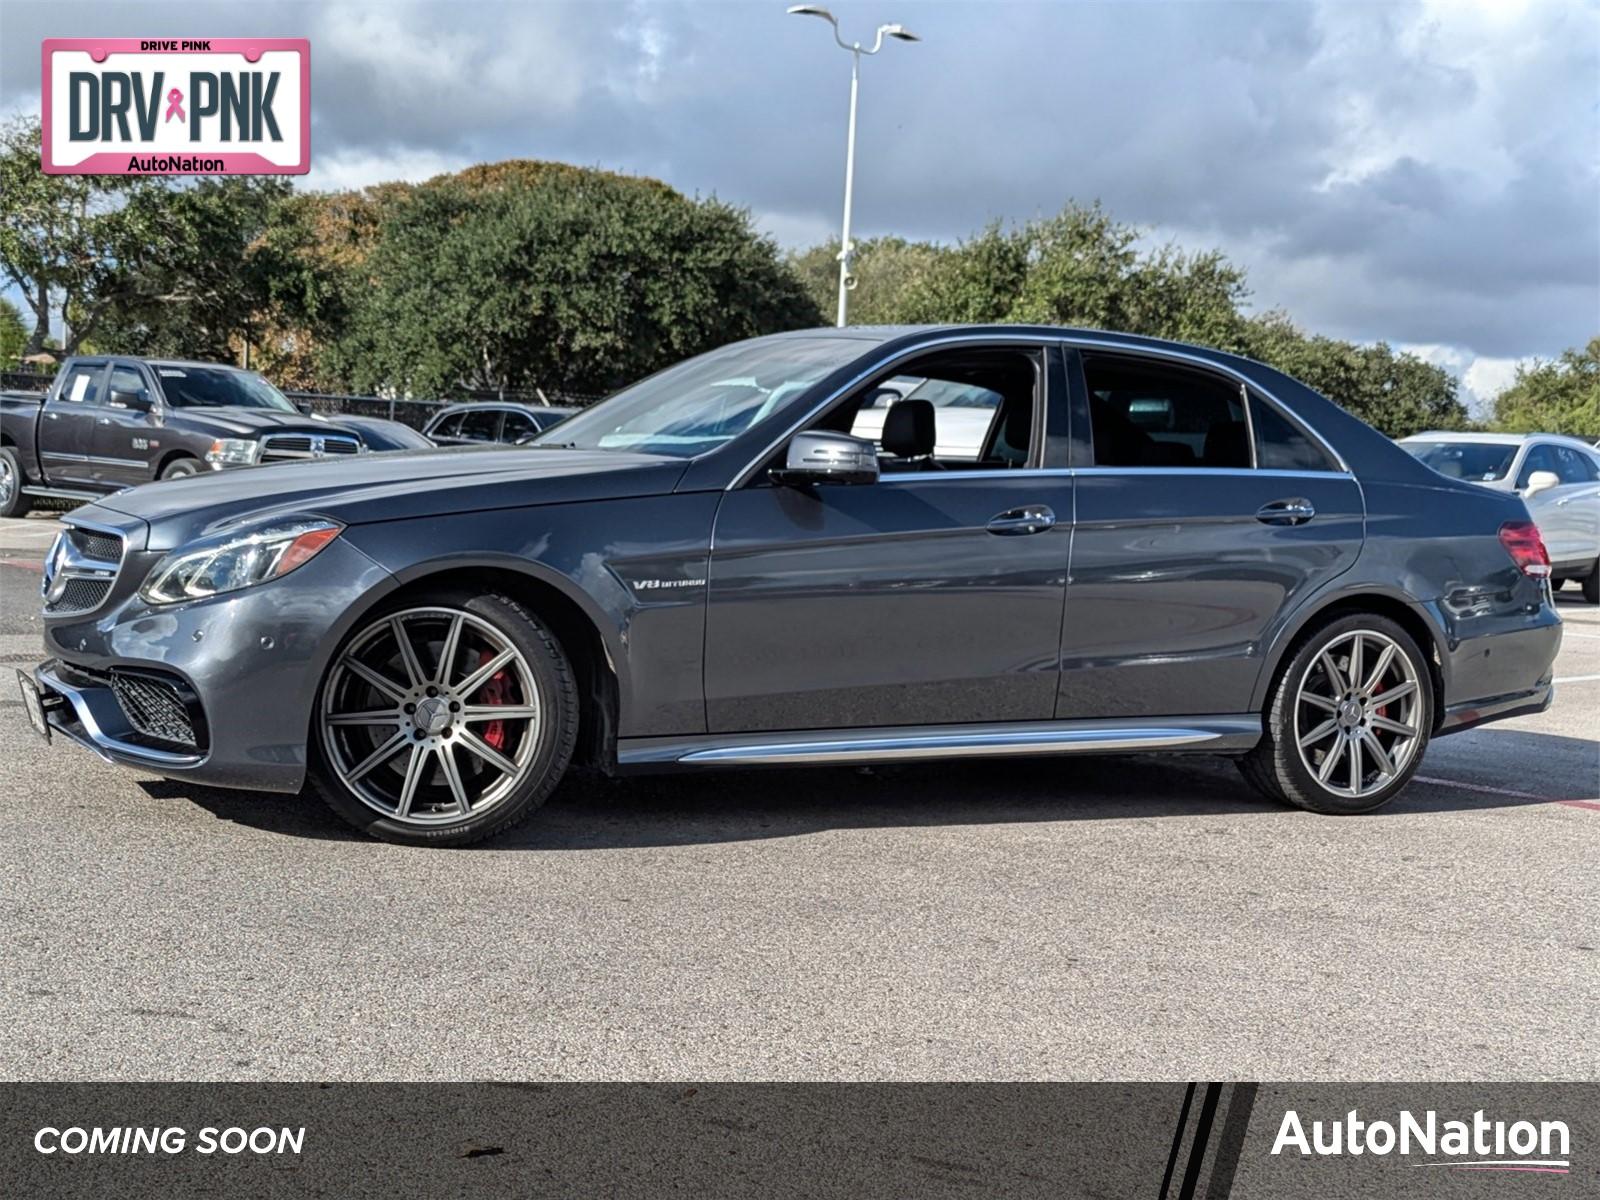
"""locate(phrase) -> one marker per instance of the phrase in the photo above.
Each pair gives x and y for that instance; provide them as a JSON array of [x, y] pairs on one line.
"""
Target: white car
[[1557, 476]]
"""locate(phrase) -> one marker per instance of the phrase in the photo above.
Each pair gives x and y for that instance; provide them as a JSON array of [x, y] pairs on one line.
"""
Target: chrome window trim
[[1065, 341], [1067, 472], [1238, 376]]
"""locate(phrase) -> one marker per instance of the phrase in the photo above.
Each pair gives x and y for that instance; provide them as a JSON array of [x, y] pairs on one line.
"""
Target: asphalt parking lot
[[1048, 919]]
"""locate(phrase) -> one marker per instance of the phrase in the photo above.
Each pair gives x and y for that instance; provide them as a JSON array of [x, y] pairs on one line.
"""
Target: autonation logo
[[1479, 1144]]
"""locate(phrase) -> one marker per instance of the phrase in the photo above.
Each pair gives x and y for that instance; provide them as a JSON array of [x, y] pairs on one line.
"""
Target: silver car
[[1557, 477]]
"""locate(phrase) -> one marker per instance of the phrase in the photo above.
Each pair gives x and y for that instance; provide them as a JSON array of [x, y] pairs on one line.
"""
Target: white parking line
[[1576, 678], [1507, 792]]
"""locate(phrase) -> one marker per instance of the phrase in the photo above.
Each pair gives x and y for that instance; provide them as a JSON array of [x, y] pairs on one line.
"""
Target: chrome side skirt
[[932, 742]]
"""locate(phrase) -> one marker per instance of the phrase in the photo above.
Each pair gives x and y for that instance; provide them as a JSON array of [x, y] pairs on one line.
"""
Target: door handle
[[1294, 511], [102, 420], [1035, 518]]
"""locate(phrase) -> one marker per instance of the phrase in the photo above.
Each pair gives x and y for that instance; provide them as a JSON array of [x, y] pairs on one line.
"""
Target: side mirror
[[1541, 481], [134, 401], [827, 458]]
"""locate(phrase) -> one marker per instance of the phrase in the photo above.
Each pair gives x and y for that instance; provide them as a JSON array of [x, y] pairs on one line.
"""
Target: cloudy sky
[[1425, 173]]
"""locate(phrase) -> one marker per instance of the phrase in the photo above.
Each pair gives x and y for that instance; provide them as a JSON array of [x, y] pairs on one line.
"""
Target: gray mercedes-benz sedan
[[1147, 547]]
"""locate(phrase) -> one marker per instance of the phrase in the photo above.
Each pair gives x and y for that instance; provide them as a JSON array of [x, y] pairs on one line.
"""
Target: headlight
[[236, 561], [233, 452]]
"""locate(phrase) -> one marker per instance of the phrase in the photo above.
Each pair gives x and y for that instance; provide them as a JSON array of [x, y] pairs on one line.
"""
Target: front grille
[[106, 547], [155, 707], [83, 566], [81, 596], [280, 446]]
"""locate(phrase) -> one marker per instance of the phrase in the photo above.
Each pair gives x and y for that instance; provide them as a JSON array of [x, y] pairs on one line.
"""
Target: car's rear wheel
[[445, 720], [1348, 719], [1591, 584], [12, 501]]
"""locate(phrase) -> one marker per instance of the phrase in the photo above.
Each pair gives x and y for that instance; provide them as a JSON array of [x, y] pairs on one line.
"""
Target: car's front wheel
[[445, 720], [1348, 719]]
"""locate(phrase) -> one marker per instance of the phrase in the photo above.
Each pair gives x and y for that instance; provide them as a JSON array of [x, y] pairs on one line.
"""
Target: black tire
[[1276, 766], [555, 738], [1591, 585], [12, 502], [180, 468]]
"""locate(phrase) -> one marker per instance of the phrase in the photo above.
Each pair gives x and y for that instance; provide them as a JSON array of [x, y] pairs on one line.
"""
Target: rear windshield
[[1481, 462]]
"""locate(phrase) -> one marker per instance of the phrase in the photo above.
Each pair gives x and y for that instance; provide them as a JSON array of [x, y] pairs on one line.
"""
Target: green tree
[[201, 287], [523, 275], [1395, 392], [1554, 397], [885, 269], [13, 335], [72, 239]]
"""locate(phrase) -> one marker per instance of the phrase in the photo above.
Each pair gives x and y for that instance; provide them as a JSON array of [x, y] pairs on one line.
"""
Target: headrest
[[908, 429]]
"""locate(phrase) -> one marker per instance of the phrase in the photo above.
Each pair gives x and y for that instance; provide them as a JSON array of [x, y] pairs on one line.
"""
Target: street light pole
[[846, 249], [900, 32]]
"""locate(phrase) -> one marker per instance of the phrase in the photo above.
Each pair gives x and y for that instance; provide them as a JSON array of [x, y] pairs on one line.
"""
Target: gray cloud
[[1425, 173]]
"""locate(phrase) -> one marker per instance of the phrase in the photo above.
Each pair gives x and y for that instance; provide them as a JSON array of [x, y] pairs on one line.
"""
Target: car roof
[[502, 405], [1516, 439], [178, 362]]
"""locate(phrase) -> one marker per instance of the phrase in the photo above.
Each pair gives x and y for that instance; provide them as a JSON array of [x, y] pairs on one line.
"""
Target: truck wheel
[[1348, 720], [444, 720], [12, 502], [180, 468]]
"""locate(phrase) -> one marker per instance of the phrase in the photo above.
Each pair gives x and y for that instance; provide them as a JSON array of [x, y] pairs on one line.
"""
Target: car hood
[[391, 487], [234, 422]]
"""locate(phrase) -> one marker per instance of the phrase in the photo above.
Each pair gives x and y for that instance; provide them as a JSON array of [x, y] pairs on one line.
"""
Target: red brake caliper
[[496, 691]]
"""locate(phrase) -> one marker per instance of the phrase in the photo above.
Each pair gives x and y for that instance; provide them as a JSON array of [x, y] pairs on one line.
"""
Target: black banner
[[1158, 1141]]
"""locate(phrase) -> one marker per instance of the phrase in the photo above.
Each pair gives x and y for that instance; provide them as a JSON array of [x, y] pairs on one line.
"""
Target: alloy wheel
[[430, 716], [8, 482], [1357, 713]]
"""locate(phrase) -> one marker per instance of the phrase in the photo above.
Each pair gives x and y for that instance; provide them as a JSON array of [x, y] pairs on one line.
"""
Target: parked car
[[478, 422], [110, 421], [1156, 548], [380, 434], [1557, 477]]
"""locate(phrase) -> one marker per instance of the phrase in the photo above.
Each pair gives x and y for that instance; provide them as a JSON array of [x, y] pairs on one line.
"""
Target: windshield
[[698, 405], [1480, 462], [197, 387]]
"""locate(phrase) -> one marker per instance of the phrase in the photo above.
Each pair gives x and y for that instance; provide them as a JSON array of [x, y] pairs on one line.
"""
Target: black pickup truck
[[108, 422]]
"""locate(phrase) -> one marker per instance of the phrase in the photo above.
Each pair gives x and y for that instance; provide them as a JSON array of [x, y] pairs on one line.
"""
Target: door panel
[[1176, 583], [66, 425], [127, 442], [886, 604]]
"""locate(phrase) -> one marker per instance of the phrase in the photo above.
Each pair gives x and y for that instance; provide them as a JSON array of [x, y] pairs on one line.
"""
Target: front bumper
[[249, 662]]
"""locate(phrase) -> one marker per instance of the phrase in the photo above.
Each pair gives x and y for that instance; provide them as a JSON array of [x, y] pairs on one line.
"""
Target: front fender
[[636, 568]]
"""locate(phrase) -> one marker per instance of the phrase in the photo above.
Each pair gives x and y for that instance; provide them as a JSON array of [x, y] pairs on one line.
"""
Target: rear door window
[[81, 384], [1574, 466], [447, 427], [1146, 414], [1281, 445], [517, 425]]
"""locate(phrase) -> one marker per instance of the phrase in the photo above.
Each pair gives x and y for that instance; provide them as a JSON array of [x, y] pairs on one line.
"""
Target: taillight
[[1522, 541]]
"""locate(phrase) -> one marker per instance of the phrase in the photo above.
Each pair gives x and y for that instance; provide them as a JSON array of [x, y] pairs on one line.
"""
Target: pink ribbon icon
[[175, 105]]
